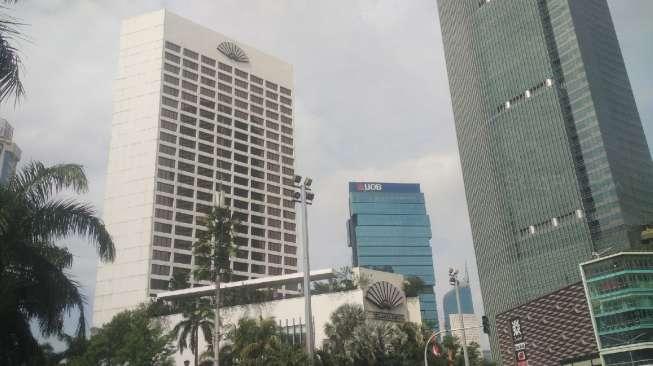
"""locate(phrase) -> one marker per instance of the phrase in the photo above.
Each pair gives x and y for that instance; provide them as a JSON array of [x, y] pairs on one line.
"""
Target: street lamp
[[453, 281], [305, 197]]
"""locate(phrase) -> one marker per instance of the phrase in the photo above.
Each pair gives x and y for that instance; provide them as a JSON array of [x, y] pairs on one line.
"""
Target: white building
[[471, 323], [9, 151], [194, 112], [380, 294]]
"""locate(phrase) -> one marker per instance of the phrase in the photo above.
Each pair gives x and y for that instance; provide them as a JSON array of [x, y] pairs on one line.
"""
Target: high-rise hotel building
[[554, 158], [194, 112]]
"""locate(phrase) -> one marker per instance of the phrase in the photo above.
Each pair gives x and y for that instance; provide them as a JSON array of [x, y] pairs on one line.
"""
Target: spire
[[466, 278]]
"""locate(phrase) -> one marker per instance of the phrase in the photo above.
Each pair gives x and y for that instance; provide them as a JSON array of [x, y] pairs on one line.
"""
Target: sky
[[371, 101]]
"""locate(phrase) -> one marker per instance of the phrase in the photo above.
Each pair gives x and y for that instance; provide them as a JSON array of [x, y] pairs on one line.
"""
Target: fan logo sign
[[366, 187], [521, 358], [387, 297]]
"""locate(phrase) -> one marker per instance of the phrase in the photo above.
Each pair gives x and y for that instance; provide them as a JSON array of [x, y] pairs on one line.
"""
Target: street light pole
[[453, 280], [305, 196]]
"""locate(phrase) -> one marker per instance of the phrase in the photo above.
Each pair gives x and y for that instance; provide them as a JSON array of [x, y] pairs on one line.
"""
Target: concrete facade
[[194, 113]]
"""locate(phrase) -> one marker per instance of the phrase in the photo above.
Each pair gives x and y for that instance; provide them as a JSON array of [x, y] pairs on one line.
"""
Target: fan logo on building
[[232, 51], [364, 187], [387, 298]]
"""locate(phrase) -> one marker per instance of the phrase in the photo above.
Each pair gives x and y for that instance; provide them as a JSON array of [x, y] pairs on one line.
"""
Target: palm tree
[[34, 283], [196, 317], [10, 62], [340, 330], [212, 256]]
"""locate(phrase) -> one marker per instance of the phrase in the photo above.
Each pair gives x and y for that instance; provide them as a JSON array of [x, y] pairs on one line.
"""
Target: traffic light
[[486, 325]]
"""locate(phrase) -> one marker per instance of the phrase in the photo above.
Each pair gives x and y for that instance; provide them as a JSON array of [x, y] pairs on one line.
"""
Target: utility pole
[[305, 196], [453, 280]]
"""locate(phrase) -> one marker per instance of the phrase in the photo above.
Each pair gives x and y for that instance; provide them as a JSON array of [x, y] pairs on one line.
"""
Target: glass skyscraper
[[450, 306], [390, 231], [554, 158]]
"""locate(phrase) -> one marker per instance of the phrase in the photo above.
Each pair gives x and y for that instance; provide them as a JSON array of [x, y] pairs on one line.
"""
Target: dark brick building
[[555, 329]]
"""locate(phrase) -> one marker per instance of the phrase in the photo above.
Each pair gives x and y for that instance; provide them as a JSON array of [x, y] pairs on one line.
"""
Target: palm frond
[[10, 60], [61, 218], [37, 183], [51, 294]]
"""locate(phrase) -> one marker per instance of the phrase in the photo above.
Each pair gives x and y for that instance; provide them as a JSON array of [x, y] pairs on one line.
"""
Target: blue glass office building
[[389, 230], [450, 306]]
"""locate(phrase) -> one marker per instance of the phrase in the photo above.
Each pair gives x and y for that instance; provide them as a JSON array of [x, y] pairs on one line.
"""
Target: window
[[172, 46], [256, 256], [240, 73], [185, 218], [171, 79], [190, 64], [161, 241], [164, 201], [169, 102], [165, 187], [285, 91], [171, 68], [163, 214], [208, 60], [270, 85], [207, 81], [162, 228], [290, 238], [242, 267], [183, 244], [274, 271], [168, 125], [258, 269], [182, 258], [183, 230], [290, 261], [256, 79], [165, 149], [160, 270], [189, 75], [184, 205], [185, 179], [188, 85], [276, 259], [160, 255], [192, 54], [158, 284], [275, 247], [224, 67], [289, 249]]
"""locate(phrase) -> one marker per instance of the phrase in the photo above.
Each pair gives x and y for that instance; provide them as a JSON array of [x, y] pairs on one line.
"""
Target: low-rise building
[[619, 290], [379, 293]]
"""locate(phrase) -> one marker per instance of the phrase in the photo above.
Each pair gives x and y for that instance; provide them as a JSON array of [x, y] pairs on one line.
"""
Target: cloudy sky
[[372, 99]]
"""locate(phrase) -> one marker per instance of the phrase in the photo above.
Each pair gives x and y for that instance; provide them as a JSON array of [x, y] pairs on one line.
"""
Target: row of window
[[208, 139], [183, 244], [239, 103], [221, 66], [226, 141]]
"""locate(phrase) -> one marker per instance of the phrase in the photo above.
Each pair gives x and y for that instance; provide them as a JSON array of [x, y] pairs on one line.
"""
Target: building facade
[[289, 312], [472, 325], [619, 289], [450, 305], [555, 329], [554, 158], [9, 151], [194, 113], [389, 230]]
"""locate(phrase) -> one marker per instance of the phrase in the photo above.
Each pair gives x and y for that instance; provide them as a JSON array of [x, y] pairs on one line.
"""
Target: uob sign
[[369, 187]]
